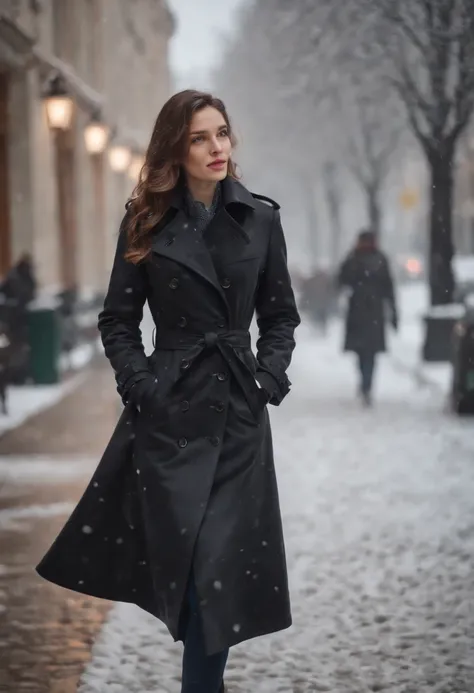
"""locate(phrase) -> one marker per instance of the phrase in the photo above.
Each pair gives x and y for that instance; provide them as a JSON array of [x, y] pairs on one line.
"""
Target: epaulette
[[263, 198]]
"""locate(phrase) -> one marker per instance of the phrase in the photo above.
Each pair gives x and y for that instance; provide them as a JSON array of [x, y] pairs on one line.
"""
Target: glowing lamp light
[[96, 136], [120, 158], [59, 104]]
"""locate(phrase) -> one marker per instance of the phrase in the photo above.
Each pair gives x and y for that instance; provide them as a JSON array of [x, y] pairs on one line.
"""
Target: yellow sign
[[408, 198]]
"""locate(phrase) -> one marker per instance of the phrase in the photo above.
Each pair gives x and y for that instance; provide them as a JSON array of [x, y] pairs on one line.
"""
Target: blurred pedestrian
[[318, 297], [20, 283], [17, 290], [366, 273], [182, 515]]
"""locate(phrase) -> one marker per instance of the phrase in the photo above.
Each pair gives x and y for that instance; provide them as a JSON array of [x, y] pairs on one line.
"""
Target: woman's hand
[[142, 393]]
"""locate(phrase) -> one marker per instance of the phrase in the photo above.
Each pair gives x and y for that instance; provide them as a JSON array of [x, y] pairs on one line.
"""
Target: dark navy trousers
[[201, 673]]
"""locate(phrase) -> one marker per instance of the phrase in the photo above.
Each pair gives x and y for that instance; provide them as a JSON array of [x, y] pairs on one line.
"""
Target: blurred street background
[[354, 115]]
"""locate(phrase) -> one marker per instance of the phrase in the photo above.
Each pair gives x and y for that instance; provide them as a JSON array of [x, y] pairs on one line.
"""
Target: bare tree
[[429, 51], [307, 93], [372, 127]]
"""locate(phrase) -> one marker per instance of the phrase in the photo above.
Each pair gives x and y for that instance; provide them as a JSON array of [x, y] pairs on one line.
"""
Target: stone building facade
[[58, 202]]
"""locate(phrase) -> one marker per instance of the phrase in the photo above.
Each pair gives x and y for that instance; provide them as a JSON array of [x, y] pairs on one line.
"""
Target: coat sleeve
[[277, 318], [119, 321], [345, 276]]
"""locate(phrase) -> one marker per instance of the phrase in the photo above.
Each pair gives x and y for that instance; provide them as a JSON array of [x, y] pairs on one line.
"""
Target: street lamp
[[120, 158], [59, 104], [96, 135], [136, 166]]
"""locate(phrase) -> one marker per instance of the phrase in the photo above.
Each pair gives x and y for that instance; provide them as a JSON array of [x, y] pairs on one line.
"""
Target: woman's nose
[[216, 146]]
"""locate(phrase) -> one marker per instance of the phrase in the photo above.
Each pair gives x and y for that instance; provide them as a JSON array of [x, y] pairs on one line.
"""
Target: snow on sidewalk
[[26, 401], [377, 506]]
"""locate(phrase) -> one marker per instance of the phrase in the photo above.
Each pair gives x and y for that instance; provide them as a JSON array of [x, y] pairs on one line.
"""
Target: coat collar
[[177, 240], [233, 193]]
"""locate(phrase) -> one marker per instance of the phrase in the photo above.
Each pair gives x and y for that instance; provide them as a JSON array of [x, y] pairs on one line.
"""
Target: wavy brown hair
[[162, 170]]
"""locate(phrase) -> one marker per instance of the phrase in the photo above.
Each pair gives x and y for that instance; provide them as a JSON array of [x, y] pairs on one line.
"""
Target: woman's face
[[209, 146]]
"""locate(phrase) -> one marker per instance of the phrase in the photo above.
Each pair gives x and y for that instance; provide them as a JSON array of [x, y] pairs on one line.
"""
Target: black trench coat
[[189, 483], [372, 301]]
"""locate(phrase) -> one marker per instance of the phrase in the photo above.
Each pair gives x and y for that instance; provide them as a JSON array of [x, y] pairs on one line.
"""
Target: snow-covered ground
[[26, 401], [379, 525]]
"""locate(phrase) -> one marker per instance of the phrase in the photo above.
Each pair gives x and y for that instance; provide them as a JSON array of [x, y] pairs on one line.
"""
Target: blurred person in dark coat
[[20, 283], [366, 274], [17, 290]]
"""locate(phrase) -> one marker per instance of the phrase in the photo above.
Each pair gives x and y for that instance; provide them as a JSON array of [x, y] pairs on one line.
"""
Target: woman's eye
[[198, 138], [224, 133]]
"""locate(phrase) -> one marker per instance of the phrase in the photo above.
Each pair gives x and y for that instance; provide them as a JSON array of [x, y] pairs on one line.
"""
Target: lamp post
[[58, 103], [96, 138], [59, 107]]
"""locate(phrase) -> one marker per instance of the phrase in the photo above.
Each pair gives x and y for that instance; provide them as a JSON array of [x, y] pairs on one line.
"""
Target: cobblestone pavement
[[46, 632], [379, 521]]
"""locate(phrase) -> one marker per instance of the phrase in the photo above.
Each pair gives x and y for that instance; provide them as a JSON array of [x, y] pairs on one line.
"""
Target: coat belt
[[225, 343]]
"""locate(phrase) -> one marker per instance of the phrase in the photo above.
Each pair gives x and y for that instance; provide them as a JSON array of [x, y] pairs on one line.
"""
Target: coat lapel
[[225, 237], [179, 242]]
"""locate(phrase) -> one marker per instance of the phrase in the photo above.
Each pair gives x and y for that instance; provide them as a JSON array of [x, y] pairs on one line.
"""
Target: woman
[[366, 272], [182, 515]]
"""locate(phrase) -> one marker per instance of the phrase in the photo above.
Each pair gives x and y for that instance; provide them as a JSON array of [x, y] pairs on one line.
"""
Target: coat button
[[215, 440], [225, 283], [221, 376], [185, 405], [169, 240], [182, 322], [182, 442], [184, 364], [221, 325], [174, 283], [219, 406]]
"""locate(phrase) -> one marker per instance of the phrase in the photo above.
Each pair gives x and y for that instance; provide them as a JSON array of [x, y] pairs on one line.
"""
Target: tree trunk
[[373, 208], [309, 193], [441, 228], [334, 208]]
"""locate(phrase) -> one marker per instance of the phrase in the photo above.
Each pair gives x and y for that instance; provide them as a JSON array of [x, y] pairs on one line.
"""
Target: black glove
[[267, 384], [142, 392]]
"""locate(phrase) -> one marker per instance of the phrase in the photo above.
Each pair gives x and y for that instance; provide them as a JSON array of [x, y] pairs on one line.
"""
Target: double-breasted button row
[[218, 406], [215, 441]]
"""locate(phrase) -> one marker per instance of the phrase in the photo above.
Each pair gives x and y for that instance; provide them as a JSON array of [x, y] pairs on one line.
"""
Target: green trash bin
[[44, 332]]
